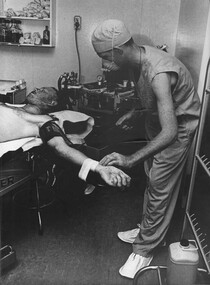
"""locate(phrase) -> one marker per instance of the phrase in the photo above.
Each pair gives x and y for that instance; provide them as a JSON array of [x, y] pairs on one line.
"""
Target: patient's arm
[[66, 152], [111, 175]]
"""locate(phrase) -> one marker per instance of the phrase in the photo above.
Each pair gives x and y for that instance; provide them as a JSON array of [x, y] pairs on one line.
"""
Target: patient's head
[[45, 99]]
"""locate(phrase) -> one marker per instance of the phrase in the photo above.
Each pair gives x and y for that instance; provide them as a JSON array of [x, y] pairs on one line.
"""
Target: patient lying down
[[59, 130]]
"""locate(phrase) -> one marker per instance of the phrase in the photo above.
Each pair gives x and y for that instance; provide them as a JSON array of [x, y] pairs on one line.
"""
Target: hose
[[78, 55]]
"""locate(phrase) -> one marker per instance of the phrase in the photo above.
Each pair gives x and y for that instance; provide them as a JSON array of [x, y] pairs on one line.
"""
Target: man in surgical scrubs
[[167, 94]]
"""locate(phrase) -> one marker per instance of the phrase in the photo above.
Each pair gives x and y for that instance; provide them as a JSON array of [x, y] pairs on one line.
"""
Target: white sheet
[[15, 144]]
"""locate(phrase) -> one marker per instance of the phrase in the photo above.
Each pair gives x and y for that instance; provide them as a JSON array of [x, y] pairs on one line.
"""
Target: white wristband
[[88, 164]]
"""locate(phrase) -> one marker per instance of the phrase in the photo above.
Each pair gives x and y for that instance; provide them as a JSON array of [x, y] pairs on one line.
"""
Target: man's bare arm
[[111, 175], [162, 89]]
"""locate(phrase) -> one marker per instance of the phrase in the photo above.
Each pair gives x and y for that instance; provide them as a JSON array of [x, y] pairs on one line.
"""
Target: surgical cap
[[109, 34]]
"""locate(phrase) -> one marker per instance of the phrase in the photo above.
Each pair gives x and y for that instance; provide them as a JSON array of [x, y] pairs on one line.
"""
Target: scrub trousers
[[164, 172]]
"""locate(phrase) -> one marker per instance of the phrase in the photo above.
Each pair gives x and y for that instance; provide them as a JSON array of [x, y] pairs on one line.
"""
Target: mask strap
[[113, 45]]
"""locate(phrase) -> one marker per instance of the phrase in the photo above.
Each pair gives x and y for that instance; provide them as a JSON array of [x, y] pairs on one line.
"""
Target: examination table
[[16, 169]]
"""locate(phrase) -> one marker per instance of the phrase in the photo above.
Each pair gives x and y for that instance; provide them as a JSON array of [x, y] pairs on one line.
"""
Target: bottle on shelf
[[46, 36], [8, 31], [16, 31], [2, 30]]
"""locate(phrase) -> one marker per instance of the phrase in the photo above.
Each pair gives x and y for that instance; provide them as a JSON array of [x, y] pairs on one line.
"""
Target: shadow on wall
[[189, 57], [142, 40]]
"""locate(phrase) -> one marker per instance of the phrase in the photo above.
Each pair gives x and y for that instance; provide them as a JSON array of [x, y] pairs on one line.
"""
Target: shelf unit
[[204, 162], [30, 24]]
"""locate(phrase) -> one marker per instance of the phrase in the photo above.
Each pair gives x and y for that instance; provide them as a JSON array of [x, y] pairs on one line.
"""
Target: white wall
[[156, 22], [205, 58], [191, 35]]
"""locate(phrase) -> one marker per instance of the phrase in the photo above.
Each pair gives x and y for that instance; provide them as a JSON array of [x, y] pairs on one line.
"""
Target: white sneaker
[[134, 263], [129, 236]]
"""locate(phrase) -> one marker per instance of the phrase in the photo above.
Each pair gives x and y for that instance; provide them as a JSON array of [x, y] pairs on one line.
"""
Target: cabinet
[[22, 22]]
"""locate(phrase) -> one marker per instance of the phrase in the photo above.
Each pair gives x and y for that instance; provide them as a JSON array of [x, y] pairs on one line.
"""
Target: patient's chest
[[13, 125]]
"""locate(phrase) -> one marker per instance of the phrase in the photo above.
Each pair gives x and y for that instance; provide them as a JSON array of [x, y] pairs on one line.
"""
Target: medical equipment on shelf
[[69, 87], [102, 97]]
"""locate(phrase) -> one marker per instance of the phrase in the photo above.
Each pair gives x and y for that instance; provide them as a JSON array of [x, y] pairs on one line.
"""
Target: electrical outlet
[[77, 22]]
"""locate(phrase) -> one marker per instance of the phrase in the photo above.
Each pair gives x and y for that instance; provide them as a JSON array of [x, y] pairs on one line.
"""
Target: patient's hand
[[113, 176]]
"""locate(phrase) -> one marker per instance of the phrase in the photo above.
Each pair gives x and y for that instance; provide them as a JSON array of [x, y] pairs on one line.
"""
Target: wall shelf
[[26, 18], [29, 13], [26, 45]]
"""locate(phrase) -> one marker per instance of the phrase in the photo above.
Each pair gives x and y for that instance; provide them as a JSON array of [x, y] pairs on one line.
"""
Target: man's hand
[[113, 176], [116, 159], [125, 122]]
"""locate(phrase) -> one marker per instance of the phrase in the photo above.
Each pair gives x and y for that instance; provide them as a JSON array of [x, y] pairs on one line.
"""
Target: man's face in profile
[[46, 98]]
